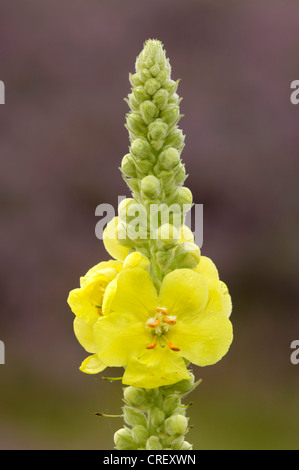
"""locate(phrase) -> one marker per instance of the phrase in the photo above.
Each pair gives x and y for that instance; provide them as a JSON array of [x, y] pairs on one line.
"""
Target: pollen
[[172, 347], [151, 346]]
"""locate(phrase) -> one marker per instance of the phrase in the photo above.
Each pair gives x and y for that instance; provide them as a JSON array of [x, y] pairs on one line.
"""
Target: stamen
[[153, 324], [99, 309], [151, 346], [172, 347], [162, 310], [170, 320]]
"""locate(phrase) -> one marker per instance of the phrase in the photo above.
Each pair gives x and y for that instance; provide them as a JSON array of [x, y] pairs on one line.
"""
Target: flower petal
[[92, 365], [107, 269], [119, 337], [219, 299], [155, 368], [84, 334], [207, 269], [183, 292], [82, 303], [134, 293], [111, 243], [203, 339]]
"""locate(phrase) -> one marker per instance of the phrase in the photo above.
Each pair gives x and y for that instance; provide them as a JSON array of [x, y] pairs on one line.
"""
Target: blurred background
[[65, 65]]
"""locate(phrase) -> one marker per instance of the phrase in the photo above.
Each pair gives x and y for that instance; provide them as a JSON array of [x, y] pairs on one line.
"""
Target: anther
[[162, 310], [172, 347], [153, 324], [170, 320], [151, 346]]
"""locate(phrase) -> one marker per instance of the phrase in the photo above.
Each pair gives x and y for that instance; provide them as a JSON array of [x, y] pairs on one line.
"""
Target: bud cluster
[[155, 419], [153, 168]]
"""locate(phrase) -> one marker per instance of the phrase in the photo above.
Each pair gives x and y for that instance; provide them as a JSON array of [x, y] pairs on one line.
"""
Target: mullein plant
[[158, 305]]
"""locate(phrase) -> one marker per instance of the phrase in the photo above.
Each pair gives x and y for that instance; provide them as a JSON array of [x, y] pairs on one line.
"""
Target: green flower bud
[[171, 114], [168, 236], [140, 94], [151, 86], [169, 159], [148, 111], [136, 397], [183, 197], [135, 124], [160, 99], [174, 99], [185, 385], [132, 102], [177, 442], [186, 446], [187, 255], [123, 208], [157, 417], [141, 149], [128, 167], [157, 130], [164, 258], [139, 434], [171, 86], [175, 139], [153, 443], [176, 425], [170, 404], [123, 439], [150, 187], [154, 70], [144, 75], [133, 183], [180, 174], [134, 80], [133, 417]]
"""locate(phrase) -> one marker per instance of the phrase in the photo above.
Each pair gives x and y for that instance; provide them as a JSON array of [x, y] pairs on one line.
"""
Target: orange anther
[[151, 346], [170, 321], [154, 324], [174, 348], [162, 310]]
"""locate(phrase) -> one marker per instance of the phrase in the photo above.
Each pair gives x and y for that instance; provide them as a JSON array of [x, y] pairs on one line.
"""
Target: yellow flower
[[86, 303], [151, 334], [111, 242]]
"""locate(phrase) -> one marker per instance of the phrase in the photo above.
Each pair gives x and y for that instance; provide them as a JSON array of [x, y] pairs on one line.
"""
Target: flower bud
[[164, 258], [185, 385], [144, 74], [151, 86], [148, 111], [123, 439], [169, 159], [175, 138], [167, 235], [183, 196], [134, 80], [132, 102], [157, 417], [153, 443], [187, 255], [140, 94], [157, 130], [135, 397], [176, 425], [135, 123], [171, 114], [133, 417], [154, 70], [150, 187], [186, 446], [141, 149], [170, 404], [180, 174], [139, 434], [160, 98], [123, 208], [128, 167], [171, 86]]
